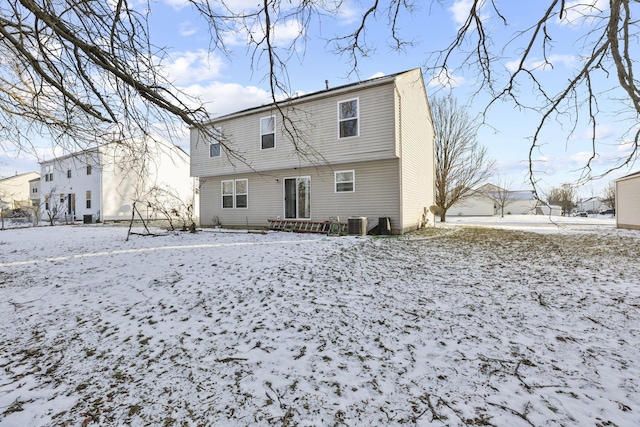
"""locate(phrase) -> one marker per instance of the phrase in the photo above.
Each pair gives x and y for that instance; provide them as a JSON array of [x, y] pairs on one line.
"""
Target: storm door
[[297, 203]]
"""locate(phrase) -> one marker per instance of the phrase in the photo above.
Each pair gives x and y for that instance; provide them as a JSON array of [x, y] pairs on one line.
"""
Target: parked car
[[608, 212], [582, 214]]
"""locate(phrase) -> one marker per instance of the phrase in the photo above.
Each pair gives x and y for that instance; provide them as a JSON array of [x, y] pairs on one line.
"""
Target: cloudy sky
[[237, 79]]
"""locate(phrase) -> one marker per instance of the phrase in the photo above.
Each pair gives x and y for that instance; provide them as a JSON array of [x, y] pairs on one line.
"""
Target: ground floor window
[[345, 182], [88, 199], [235, 193]]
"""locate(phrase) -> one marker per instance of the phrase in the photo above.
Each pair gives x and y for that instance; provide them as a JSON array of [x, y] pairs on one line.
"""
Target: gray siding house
[[628, 201], [364, 149]]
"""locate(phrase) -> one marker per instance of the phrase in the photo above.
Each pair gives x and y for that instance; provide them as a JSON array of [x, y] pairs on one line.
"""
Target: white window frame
[[88, 199], [356, 118], [245, 194], [234, 194], [273, 118], [218, 132], [298, 179], [352, 181]]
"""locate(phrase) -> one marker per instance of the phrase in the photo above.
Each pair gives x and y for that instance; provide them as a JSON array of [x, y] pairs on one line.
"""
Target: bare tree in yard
[[167, 203], [609, 195], [462, 164], [53, 207], [85, 72], [564, 196]]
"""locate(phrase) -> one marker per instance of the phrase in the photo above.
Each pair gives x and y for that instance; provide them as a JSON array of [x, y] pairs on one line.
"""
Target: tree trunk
[[443, 217]]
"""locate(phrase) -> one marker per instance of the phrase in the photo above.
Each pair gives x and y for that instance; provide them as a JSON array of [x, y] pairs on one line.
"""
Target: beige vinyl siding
[[415, 140], [628, 202], [376, 195], [315, 124]]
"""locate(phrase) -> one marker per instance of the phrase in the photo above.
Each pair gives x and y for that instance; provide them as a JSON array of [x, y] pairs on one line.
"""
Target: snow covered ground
[[457, 325]]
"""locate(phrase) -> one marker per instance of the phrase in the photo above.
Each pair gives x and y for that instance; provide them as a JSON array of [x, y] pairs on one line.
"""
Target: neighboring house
[[546, 209], [34, 191], [102, 183], [15, 191], [364, 149], [592, 205], [628, 201], [485, 201]]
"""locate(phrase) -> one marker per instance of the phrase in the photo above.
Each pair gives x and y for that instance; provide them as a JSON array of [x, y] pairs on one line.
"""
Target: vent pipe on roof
[[326, 83]]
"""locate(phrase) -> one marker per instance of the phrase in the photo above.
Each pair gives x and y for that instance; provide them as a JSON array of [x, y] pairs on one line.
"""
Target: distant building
[[15, 191], [34, 191], [485, 201], [592, 205], [103, 183], [628, 201], [547, 209]]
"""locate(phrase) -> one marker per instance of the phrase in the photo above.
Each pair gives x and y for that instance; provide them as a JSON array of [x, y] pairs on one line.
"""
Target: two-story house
[[102, 183], [364, 149], [14, 191]]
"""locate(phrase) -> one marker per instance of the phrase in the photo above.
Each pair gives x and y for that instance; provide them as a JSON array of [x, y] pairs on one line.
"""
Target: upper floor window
[[214, 146], [68, 173], [235, 193], [48, 175], [267, 132], [348, 118], [345, 181], [88, 169]]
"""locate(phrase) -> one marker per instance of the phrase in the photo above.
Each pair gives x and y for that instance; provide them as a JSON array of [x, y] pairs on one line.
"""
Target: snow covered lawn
[[453, 326]]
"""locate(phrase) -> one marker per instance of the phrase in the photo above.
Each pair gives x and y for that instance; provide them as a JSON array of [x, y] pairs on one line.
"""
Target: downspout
[[100, 171], [399, 140]]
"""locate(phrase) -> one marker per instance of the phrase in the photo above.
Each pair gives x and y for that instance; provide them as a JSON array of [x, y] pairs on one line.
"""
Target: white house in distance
[[34, 191], [592, 205], [485, 202], [102, 183], [15, 190], [628, 201], [369, 153]]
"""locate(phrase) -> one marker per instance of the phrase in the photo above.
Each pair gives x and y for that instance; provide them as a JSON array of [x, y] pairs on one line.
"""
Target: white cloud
[[286, 32], [625, 148], [445, 79], [188, 67], [542, 65], [601, 132], [187, 29], [177, 4], [577, 13], [282, 33], [461, 8], [346, 14], [224, 98]]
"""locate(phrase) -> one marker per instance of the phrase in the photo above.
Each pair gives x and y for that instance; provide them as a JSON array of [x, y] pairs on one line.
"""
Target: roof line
[[290, 99]]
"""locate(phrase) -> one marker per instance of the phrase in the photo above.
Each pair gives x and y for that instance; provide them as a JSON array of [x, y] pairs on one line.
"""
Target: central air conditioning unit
[[357, 226]]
